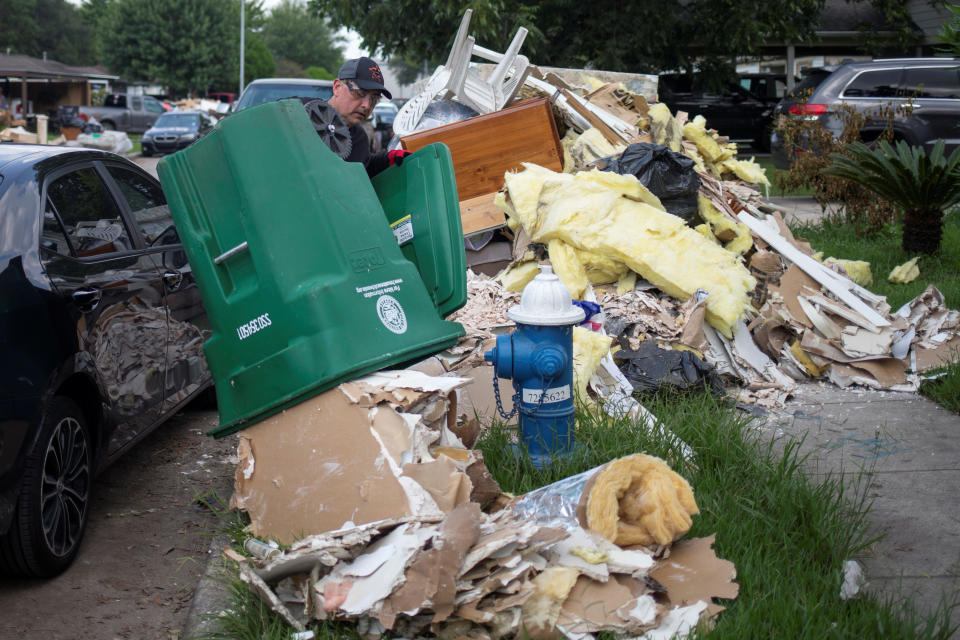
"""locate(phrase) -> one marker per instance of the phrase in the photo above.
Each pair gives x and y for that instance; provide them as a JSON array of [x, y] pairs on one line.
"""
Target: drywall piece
[[678, 623], [390, 554], [817, 298], [348, 455], [842, 287], [593, 606], [863, 343], [827, 328], [430, 579], [693, 573], [942, 355], [747, 349]]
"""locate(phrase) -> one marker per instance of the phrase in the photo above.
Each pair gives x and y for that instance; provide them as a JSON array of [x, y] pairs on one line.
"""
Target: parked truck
[[125, 112]]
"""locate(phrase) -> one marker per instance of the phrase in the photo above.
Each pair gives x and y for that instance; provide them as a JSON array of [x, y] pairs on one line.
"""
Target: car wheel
[[145, 153], [54, 500], [108, 125]]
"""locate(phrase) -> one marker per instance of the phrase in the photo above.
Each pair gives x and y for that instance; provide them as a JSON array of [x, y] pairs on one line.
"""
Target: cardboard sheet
[[350, 455]]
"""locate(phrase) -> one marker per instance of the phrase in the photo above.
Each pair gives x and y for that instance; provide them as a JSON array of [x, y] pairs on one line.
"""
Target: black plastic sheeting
[[668, 175], [652, 369]]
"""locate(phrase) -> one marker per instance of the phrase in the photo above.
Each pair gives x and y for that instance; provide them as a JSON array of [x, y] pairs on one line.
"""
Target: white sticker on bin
[[556, 394], [403, 229]]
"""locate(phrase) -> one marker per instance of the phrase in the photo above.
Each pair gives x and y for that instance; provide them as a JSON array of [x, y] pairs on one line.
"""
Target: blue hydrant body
[[538, 359]]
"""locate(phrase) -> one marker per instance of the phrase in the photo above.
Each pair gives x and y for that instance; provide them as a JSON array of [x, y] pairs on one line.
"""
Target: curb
[[210, 595]]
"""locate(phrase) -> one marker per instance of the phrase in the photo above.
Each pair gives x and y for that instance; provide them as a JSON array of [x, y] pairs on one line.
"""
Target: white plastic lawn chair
[[436, 86], [455, 79], [506, 78]]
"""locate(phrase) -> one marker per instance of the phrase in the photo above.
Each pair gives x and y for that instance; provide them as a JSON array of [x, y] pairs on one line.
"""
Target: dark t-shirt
[[360, 152]]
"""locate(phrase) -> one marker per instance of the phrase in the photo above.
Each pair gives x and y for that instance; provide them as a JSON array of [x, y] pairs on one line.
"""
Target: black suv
[[101, 337], [741, 111], [924, 92]]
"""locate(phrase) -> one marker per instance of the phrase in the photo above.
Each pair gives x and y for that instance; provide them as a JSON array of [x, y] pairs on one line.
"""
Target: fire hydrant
[[538, 358]]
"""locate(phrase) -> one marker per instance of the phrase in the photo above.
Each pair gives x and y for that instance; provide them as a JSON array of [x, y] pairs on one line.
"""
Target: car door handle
[[87, 299], [172, 280]]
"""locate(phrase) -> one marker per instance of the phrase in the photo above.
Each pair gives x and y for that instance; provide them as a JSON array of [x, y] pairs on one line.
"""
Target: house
[[43, 84]]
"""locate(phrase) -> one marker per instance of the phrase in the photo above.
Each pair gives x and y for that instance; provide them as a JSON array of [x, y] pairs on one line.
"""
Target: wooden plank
[[487, 146], [479, 214], [612, 136]]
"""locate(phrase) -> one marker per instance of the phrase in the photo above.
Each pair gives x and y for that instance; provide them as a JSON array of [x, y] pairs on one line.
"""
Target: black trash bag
[[652, 369], [668, 175]]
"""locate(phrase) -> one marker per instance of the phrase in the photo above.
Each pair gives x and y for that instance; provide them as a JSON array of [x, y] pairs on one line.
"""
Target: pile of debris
[[413, 552], [633, 203], [658, 228]]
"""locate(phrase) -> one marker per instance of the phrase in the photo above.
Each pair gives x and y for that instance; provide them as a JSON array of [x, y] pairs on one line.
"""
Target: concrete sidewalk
[[908, 450]]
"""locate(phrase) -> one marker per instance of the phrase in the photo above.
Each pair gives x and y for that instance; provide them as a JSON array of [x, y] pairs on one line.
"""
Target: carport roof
[[26, 66]]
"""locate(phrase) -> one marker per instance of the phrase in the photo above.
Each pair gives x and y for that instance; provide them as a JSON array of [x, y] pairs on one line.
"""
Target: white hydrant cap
[[546, 302]]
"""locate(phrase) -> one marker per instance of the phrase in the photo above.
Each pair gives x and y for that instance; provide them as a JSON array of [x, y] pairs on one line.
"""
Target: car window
[[149, 207], [90, 217], [153, 105], [52, 237], [883, 83], [181, 119], [115, 100], [932, 82], [136, 104]]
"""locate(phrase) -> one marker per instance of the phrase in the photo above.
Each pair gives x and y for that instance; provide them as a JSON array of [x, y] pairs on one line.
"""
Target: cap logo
[[375, 73]]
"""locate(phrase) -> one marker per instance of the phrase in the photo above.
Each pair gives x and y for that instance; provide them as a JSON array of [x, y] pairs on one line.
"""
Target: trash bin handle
[[230, 252]]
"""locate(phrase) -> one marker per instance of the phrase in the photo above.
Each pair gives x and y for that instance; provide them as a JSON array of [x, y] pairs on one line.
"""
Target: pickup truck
[[123, 112]]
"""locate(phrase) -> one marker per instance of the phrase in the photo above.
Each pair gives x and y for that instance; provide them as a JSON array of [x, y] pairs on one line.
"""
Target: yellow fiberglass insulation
[[638, 499], [722, 226], [664, 128], [568, 268], [746, 170], [657, 245], [589, 348], [696, 132], [517, 276]]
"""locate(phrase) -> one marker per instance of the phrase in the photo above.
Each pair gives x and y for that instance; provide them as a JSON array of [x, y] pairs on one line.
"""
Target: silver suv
[[926, 89]]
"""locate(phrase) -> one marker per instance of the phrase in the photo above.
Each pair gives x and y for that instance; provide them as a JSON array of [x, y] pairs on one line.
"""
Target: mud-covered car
[[101, 335], [174, 131]]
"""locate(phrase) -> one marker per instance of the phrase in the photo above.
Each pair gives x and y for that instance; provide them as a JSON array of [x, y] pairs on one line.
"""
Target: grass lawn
[[882, 250], [787, 534]]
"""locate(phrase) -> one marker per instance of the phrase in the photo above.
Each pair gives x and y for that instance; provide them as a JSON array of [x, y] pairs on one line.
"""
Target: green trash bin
[[422, 208], [303, 281]]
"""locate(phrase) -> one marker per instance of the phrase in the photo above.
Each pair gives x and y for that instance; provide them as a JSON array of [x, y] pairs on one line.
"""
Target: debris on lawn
[[530, 565]]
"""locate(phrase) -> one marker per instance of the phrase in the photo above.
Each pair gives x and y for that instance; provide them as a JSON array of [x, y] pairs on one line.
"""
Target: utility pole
[[241, 47]]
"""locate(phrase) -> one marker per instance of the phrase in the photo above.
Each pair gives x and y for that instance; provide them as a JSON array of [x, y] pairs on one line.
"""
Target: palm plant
[[924, 186]]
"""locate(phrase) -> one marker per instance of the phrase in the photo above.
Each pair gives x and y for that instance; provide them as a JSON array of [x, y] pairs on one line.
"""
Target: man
[[357, 89]]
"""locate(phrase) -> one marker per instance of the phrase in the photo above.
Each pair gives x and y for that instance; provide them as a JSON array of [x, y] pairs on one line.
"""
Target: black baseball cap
[[365, 73]]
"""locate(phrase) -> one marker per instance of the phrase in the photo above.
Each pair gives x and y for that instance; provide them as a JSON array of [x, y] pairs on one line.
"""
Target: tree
[[52, 27], [293, 33], [923, 185], [950, 34], [183, 44], [641, 36], [257, 60]]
